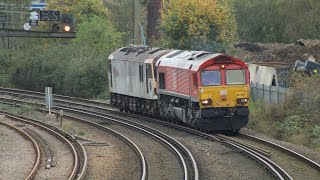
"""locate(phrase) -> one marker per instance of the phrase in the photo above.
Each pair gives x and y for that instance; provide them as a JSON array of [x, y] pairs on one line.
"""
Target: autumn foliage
[[197, 24], [83, 10]]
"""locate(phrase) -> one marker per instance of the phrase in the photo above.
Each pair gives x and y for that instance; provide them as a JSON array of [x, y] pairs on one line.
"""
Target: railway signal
[[67, 22], [55, 28]]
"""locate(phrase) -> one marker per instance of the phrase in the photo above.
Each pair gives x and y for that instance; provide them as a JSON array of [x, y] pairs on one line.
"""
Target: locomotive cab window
[[161, 81], [141, 72], [210, 78], [148, 75], [148, 71], [236, 76]]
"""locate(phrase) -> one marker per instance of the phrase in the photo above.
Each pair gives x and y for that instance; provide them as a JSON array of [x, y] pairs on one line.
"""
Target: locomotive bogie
[[134, 104]]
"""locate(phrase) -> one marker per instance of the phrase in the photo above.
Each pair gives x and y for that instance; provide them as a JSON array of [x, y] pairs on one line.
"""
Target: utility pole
[[2, 38], [133, 21]]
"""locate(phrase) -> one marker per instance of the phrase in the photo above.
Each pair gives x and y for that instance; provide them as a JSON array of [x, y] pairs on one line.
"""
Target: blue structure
[[38, 4]]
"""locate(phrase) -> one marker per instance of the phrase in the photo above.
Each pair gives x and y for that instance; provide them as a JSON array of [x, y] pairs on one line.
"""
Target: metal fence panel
[[269, 94]]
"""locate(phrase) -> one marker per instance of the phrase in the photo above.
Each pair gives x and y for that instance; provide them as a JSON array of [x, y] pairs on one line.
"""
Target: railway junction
[[130, 146]]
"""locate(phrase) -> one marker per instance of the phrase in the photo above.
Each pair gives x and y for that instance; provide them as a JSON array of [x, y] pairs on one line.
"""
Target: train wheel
[[205, 130], [232, 132], [236, 131], [194, 124]]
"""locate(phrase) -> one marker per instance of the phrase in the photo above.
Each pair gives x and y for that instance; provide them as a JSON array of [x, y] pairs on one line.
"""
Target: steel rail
[[124, 138], [262, 160], [295, 154], [44, 126], [82, 173], [155, 133], [185, 150], [41, 95], [275, 169], [35, 146], [45, 146], [160, 122], [179, 127]]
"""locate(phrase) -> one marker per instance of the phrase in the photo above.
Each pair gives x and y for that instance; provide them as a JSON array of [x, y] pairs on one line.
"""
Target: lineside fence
[[270, 95]]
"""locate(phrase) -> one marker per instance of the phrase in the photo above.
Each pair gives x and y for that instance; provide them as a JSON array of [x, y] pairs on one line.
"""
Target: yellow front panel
[[224, 96]]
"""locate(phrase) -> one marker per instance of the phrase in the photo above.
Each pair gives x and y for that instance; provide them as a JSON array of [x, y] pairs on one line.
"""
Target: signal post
[[63, 26]]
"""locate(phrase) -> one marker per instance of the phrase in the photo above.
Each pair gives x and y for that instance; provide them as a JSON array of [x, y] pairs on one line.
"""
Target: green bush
[[6, 66], [71, 67], [70, 128], [315, 137], [256, 113], [290, 126], [22, 110], [262, 21], [297, 118]]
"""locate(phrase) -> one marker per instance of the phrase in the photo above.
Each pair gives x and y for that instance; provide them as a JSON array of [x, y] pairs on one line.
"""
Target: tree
[[277, 20], [82, 9], [99, 34], [75, 67], [197, 24], [17, 2], [120, 14]]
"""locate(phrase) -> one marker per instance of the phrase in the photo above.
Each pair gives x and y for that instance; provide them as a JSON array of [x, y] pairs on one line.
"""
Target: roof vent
[[198, 55]]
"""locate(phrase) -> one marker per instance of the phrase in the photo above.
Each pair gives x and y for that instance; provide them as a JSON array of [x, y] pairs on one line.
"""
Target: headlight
[[242, 100], [206, 102]]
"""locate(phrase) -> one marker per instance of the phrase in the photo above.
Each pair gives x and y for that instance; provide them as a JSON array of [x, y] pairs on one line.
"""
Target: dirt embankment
[[279, 52]]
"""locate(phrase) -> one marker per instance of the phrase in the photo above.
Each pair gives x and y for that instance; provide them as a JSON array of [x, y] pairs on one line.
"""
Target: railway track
[[46, 149], [258, 152], [35, 146], [279, 160], [185, 158], [134, 147], [297, 165], [32, 128]]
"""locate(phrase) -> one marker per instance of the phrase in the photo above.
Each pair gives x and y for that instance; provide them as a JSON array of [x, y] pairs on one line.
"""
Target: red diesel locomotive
[[206, 90]]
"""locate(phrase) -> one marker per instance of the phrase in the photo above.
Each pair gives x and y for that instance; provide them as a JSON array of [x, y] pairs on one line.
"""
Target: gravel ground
[[64, 162], [115, 159], [217, 161], [311, 154], [162, 164], [63, 157], [17, 155], [112, 159]]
